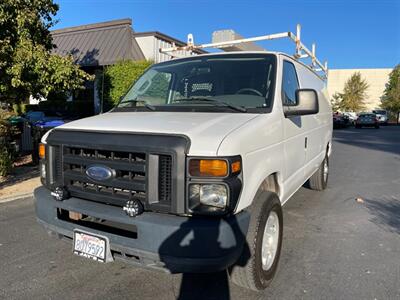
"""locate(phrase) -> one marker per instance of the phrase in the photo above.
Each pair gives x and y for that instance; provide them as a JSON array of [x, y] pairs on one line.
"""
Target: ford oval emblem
[[99, 173]]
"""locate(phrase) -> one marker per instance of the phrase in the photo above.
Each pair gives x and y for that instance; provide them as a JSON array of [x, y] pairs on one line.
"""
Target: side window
[[289, 83]]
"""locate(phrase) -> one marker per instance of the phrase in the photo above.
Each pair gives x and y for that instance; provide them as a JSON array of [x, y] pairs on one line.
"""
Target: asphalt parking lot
[[334, 247]]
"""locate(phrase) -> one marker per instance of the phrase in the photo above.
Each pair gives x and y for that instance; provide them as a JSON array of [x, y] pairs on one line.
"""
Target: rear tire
[[319, 180], [258, 263]]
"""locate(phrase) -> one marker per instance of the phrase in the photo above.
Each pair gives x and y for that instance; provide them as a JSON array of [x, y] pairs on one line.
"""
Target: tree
[[27, 66], [391, 96], [336, 101], [118, 78], [354, 93]]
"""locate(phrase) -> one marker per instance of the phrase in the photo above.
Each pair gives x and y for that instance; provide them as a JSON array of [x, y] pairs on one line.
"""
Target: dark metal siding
[[98, 44]]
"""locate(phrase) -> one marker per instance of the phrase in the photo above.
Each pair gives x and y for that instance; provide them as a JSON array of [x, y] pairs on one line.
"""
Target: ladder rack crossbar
[[301, 50], [227, 43]]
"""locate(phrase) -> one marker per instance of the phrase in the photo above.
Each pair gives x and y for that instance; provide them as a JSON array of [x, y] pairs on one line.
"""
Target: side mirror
[[306, 103]]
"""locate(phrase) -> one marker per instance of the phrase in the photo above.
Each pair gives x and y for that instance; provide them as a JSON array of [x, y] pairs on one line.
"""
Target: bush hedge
[[7, 153], [118, 78], [6, 160]]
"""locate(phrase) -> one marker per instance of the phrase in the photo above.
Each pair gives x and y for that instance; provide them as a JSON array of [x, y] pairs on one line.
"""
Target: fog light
[[215, 195], [133, 208], [60, 193]]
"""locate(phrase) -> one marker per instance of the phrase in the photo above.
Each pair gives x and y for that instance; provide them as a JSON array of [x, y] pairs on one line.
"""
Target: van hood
[[205, 130]]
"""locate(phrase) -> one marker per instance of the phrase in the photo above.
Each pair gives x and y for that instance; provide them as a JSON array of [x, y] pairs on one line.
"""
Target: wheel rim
[[270, 241], [326, 170]]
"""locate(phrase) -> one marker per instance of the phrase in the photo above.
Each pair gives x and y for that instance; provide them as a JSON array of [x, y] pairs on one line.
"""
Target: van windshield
[[233, 82]]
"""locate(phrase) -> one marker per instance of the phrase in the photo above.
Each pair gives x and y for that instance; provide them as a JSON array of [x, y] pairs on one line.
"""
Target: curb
[[14, 198]]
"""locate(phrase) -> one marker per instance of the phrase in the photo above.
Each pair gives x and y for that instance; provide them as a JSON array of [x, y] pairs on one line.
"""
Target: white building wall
[[146, 44], [376, 78], [150, 46]]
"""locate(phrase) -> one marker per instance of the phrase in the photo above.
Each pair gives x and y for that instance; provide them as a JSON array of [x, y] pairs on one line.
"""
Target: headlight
[[214, 195], [43, 170], [213, 184]]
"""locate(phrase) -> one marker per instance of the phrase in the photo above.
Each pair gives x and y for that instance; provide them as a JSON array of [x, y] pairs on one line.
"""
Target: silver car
[[382, 116]]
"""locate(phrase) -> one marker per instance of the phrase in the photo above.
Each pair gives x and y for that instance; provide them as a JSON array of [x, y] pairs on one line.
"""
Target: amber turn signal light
[[42, 150], [236, 167], [208, 168]]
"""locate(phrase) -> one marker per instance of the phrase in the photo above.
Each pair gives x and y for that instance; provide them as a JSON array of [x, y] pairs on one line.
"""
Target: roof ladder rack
[[301, 52]]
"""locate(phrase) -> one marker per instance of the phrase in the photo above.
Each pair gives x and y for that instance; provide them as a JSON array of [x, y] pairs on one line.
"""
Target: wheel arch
[[272, 183], [329, 148]]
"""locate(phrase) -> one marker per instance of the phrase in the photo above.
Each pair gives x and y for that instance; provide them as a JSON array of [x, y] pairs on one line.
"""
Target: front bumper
[[172, 243], [368, 124]]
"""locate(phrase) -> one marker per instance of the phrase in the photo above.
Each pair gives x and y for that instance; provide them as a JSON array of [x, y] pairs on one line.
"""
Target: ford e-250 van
[[189, 172]]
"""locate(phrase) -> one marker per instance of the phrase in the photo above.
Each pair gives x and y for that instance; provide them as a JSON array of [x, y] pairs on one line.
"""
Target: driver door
[[294, 132]]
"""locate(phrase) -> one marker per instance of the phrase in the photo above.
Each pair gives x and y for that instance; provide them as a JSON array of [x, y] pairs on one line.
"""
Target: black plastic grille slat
[[58, 165], [165, 178], [107, 198], [128, 183], [136, 185], [133, 166]]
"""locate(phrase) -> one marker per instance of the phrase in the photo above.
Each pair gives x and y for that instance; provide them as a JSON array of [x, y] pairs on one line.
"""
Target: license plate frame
[[95, 242]]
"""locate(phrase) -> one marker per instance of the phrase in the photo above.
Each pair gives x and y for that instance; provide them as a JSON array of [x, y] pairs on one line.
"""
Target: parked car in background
[[352, 116], [367, 120], [382, 116], [340, 120]]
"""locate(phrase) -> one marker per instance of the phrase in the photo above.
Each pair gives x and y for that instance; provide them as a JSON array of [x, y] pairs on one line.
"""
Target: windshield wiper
[[212, 101], [136, 101]]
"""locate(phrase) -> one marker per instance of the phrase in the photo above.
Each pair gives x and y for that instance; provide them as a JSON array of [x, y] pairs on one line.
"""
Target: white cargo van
[[189, 172]]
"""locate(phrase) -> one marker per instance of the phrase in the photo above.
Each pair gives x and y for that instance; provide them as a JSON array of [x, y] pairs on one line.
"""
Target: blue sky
[[349, 34]]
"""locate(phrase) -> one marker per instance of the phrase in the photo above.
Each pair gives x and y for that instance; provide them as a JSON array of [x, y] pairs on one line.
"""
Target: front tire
[[319, 180], [258, 263]]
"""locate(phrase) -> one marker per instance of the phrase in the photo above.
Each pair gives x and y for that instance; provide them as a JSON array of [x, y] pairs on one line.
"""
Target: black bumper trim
[[173, 243]]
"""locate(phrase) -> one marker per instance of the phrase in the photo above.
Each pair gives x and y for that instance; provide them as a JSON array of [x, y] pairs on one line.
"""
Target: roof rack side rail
[[301, 50]]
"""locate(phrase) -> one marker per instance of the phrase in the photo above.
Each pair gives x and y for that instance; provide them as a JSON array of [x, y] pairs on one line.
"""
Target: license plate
[[91, 246]]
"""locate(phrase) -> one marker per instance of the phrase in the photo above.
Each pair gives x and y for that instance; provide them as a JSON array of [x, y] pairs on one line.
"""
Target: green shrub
[[6, 130], [6, 160], [118, 79], [19, 108], [7, 154]]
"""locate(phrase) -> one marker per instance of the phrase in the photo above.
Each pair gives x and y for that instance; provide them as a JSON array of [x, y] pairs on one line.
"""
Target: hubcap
[[270, 241], [326, 170]]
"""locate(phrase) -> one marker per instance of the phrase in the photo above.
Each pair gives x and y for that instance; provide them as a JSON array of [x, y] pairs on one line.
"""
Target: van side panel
[[260, 143], [318, 127]]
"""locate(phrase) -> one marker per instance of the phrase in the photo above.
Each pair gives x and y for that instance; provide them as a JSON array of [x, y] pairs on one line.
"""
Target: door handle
[[305, 142]]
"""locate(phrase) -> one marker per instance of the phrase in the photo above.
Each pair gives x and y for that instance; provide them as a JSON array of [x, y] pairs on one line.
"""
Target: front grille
[[128, 183], [146, 167]]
